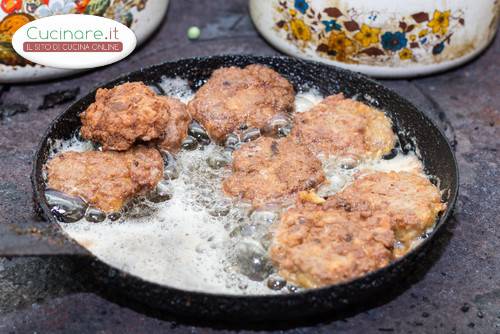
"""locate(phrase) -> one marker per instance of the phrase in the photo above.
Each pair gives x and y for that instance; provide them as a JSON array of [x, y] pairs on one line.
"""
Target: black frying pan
[[419, 131]]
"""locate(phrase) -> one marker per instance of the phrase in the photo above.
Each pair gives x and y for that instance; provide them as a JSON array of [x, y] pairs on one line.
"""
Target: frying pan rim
[[440, 221]]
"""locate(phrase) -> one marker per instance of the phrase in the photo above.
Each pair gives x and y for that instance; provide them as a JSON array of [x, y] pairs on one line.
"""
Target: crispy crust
[[106, 179], [322, 242], [241, 96], [132, 111], [315, 246], [270, 169], [410, 199], [177, 126], [344, 127]]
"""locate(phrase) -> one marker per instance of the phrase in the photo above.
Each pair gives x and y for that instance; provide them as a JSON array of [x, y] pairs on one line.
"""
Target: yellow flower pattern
[[367, 35], [423, 33], [440, 22], [405, 54], [339, 42], [300, 30]]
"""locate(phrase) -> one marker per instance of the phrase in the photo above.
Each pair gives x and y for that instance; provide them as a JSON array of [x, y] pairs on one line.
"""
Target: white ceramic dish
[[142, 16], [382, 38]]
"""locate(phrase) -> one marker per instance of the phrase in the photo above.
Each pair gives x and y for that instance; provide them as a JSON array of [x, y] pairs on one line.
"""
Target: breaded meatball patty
[[234, 97], [410, 199], [314, 246], [343, 127], [269, 169], [132, 111], [106, 179], [177, 126]]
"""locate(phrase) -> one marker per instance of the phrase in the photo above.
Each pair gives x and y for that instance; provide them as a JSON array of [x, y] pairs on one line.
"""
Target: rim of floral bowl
[[385, 72], [374, 70]]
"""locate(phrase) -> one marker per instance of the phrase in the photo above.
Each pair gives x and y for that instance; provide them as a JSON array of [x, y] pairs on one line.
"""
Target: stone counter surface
[[459, 293]]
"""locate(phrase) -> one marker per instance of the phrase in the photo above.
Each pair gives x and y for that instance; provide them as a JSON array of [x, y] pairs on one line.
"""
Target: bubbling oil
[[199, 239]]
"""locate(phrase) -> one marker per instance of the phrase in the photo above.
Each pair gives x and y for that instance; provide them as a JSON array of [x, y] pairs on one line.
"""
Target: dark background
[[460, 293]]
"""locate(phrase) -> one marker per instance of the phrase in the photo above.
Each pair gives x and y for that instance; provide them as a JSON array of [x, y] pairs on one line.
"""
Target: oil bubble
[[138, 208], [264, 216], [279, 125], [189, 143], [199, 133], [114, 216], [250, 134], [252, 260], [170, 165], [232, 141], [218, 159], [275, 282], [95, 215], [163, 192], [66, 208]]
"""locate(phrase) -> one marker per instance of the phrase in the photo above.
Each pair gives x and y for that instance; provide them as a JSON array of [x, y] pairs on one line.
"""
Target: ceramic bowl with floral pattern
[[383, 38], [142, 16]]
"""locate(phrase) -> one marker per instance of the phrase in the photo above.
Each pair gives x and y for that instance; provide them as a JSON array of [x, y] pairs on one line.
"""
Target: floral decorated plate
[[142, 16], [382, 38]]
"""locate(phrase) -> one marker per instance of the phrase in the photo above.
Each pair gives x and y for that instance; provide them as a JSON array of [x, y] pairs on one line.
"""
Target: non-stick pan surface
[[419, 131]]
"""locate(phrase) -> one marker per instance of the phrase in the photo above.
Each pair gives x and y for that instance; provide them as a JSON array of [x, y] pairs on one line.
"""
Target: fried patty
[[106, 179], [269, 169], [410, 199], [177, 126], [314, 246], [132, 111], [241, 97], [345, 128]]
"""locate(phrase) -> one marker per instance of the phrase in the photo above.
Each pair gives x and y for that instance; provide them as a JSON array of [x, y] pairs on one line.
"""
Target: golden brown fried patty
[[315, 246], [177, 126], [410, 199], [268, 169], [344, 127], [234, 96], [132, 111], [106, 179]]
